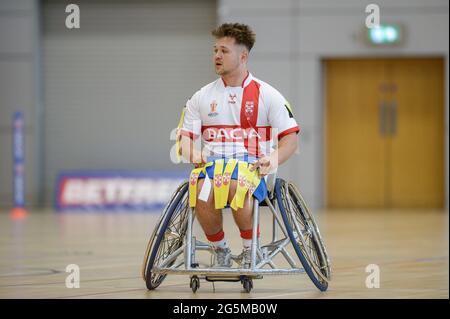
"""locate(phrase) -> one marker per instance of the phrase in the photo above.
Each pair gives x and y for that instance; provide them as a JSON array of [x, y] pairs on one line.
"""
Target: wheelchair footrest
[[223, 278], [230, 278]]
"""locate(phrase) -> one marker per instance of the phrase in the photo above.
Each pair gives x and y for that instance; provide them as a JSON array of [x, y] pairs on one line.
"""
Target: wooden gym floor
[[410, 248]]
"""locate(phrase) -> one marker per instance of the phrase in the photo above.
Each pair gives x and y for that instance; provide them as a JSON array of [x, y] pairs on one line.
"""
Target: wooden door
[[416, 145], [355, 152], [384, 133]]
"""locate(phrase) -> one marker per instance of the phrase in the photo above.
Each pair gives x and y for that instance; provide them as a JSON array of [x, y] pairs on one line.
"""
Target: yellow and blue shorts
[[221, 171]]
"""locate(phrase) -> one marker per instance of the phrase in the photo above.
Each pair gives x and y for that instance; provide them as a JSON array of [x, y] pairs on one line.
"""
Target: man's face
[[228, 56]]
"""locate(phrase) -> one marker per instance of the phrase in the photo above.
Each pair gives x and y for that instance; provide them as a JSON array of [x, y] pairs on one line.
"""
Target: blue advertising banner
[[115, 190]]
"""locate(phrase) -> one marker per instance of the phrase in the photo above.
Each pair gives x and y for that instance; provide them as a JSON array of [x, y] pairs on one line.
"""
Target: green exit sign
[[385, 34]]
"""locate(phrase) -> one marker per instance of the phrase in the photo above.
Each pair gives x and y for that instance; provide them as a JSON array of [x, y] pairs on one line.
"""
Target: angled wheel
[[167, 236], [304, 233]]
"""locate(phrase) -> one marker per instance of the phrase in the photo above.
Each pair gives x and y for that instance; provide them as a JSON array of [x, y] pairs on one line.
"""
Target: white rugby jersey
[[238, 121]]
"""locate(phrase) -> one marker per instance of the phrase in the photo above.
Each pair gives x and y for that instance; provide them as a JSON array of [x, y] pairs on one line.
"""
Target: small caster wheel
[[195, 283], [247, 283]]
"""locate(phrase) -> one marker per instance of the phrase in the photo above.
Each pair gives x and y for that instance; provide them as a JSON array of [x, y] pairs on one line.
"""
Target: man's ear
[[244, 55]]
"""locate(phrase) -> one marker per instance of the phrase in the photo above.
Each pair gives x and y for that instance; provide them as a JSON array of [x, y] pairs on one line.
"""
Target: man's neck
[[235, 79]]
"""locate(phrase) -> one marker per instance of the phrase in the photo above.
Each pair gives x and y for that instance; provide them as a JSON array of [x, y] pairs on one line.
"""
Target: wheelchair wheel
[[167, 236], [304, 233]]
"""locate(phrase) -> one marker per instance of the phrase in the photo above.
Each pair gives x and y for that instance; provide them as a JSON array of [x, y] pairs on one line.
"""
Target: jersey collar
[[246, 81]]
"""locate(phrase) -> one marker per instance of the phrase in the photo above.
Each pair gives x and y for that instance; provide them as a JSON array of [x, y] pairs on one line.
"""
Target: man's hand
[[286, 147], [265, 164], [200, 158], [190, 153]]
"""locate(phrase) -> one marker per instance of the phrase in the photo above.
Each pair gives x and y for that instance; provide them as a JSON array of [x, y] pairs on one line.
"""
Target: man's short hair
[[241, 33]]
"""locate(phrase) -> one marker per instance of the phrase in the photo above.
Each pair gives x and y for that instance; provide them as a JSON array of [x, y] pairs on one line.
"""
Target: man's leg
[[211, 221], [243, 217], [209, 218]]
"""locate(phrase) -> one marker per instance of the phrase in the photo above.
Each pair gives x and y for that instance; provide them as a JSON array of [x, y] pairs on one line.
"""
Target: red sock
[[216, 237], [247, 234]]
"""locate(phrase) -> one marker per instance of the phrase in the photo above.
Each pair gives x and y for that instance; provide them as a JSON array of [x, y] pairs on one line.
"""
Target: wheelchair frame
[[266, 253]]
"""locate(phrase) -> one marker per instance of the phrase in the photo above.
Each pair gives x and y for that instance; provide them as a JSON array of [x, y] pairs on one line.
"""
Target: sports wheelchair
[[173, 249]]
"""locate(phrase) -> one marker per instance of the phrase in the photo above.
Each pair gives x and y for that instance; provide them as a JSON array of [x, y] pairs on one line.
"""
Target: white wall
[[292, 39]]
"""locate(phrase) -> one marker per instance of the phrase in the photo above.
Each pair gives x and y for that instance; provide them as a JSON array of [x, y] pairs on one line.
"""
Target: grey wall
[[293, 38], [114, 89], [19, 91]]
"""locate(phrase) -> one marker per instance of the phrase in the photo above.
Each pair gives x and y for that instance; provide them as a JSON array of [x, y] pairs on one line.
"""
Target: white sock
[[220, 244], [246, 243]]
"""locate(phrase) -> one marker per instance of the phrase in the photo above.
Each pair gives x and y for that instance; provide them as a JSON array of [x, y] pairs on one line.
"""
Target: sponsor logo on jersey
[[232, 98], [236, 134], [213, 107]]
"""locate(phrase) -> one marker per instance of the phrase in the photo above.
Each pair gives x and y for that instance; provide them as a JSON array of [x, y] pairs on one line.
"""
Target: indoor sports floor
[[410, 248]]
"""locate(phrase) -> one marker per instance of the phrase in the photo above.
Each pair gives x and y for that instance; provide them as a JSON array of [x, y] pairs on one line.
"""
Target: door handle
[[393, 118]]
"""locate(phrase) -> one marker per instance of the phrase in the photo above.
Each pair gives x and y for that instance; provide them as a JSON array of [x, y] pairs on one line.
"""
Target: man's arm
[[189, 130], [287, 145]]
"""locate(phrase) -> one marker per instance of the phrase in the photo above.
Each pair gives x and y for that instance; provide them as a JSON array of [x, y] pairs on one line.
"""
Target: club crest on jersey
[[232, 98], [213, 107], [249, 105]]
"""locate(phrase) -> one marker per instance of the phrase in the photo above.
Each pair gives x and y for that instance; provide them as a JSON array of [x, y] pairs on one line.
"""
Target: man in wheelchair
[[227, 131]]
